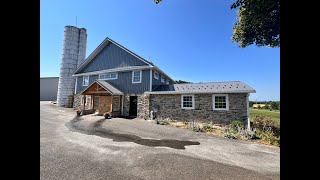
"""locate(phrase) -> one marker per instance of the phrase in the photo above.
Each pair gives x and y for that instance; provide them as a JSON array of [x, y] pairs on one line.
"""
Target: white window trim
[[214, 99], [154, 75], [162, 78], [110, 76], [83, 80], [192, 101], [140, 76], [167, 81]]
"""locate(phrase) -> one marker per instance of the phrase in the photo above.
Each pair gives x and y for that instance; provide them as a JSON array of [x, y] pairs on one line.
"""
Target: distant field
[[274, 114]]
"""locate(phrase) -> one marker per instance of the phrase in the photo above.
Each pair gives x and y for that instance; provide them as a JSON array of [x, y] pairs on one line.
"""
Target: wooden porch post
[[84, 102], [91, 102], [120, 107], [111, 103]]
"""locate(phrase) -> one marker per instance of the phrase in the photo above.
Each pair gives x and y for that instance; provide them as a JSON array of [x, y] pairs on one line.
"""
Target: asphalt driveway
[[91, 147]]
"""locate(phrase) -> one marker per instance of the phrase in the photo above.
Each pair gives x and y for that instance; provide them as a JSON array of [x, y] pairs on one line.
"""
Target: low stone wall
[[169, 106]]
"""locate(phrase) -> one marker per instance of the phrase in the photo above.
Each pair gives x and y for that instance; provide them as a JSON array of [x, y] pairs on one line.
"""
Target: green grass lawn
[[274, 114]]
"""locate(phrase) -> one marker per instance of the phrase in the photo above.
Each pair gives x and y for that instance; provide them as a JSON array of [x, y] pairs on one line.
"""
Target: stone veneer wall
[[169, 106], [143, 106], [126, 104], [77, 98]]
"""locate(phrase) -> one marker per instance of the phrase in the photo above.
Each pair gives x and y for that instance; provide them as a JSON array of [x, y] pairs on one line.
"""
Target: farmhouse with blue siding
[[113, 79]]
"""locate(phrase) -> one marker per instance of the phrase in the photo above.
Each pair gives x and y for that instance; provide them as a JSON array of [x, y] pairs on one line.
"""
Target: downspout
[[248, 112], [122, 104], [75, 87], [150, 79]]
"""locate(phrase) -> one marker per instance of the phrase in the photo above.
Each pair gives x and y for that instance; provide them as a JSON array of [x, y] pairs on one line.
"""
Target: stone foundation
[[144, 106], [169, 106], [126, 104]]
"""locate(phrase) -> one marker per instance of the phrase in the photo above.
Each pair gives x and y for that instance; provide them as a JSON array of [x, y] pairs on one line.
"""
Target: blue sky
[[190, 40]]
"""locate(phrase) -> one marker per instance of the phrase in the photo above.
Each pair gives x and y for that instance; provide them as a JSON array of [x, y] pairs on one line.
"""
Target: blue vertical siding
[[158, 81], [123, 83], [112, 56]]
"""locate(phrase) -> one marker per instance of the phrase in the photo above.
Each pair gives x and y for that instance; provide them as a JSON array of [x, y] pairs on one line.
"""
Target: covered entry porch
[[103, 98]]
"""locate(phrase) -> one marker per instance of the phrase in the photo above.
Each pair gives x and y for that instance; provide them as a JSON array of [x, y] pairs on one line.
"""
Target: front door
[[105, 104], [133, 106]]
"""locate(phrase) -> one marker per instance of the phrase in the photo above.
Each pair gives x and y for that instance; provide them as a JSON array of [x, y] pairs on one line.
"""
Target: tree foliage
[[157, 1], [275, 105], [258, 22], [180, 82]]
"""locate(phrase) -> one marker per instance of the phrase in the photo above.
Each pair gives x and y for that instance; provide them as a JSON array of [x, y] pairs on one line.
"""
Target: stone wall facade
[[78, 99], [126, 103], [143, 106], [169, 106]]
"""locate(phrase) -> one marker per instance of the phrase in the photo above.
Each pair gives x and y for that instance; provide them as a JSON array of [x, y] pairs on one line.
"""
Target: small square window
[[220, 102], [187, 101], [85, 81], [162, 78], [156, 75], [136, 76]]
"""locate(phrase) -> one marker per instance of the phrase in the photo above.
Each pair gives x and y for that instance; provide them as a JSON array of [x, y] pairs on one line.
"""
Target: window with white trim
[[187, 101], [108, 76], [167, 82], [162, 78], [156, 75], [220, 102], [85, 81], [136, 76]]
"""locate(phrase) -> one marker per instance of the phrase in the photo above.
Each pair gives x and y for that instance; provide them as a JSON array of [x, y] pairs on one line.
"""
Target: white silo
[[73, 54]]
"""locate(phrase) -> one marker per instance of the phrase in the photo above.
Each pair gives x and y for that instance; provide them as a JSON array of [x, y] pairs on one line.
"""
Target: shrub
[[229, 134], [161, 121], [246, 134], [235, 125], [207, 127], [263, 122], [269, 137]]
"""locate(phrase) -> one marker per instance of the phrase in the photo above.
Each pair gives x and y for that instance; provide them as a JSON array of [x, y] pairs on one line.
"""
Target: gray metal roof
[[211, 87], [107, 86]]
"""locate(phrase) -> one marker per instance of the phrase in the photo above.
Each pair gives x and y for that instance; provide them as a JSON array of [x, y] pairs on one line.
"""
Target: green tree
[[181, 82], [275, 105], [258, 22]]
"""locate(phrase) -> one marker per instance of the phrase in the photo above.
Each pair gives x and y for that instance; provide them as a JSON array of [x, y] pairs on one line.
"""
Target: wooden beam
[[84, 102], [91, 104], [111, 103], [120, 106], [96, 92]]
